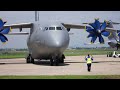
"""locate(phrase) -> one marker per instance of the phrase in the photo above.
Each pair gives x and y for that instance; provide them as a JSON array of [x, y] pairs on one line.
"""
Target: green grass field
[[10, 55], [63, 77], [72, 52], [79, 52]]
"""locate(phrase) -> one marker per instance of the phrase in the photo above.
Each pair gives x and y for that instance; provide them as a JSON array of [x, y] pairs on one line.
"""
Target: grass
[[10, 55], [63, 77], [78, 52], [73, 52]]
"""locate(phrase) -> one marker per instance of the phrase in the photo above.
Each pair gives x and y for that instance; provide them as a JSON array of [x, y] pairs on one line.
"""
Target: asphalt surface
[[74, 65]]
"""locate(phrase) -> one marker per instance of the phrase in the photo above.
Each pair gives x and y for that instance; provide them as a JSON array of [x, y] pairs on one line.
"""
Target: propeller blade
[[119, 34], [103, 26], [6, 30], [93, 25], [97, 24], [93, 39], [1, 23], [106, 33], [89, 29], [101, 40], [3, 38], [119, 38]]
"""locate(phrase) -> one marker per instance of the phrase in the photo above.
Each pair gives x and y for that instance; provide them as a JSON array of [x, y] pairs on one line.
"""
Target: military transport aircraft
[[46, 40]]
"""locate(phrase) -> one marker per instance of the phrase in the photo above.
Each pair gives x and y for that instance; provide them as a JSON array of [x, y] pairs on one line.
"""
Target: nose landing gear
[[57, 60]]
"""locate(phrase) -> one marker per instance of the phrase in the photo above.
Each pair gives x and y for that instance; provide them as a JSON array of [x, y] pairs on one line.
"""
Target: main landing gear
[[56, 60], [29, 59]]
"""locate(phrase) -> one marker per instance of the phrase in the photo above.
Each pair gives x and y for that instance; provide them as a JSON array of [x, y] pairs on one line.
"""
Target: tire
[[62, 60], [63, 56], [51, 62], [32, 60], [56, 62], [28, 60]]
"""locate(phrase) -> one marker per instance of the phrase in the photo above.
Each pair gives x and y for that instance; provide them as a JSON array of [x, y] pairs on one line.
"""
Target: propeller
[[3, 31], [118, 42], [97, 30]]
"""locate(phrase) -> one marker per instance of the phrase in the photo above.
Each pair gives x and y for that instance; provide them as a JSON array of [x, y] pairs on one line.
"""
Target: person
[[89, 60]]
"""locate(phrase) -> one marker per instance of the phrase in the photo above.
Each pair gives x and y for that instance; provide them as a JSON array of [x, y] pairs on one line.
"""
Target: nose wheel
[[56, 60], [51, 62], [62, 58]]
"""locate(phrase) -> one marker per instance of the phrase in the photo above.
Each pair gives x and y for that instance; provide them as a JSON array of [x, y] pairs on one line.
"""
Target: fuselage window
[[58, 28], [51, 28]]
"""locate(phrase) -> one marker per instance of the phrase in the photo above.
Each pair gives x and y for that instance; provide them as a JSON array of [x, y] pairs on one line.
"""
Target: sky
[[74, 17]]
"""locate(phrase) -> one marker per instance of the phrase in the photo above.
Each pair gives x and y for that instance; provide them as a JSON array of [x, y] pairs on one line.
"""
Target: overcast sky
[[74, 17]]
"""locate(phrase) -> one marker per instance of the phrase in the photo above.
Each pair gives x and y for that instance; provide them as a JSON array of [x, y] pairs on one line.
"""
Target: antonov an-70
[[46, 40]]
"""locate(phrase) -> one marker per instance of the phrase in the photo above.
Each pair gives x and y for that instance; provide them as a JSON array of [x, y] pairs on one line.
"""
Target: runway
[[74, 65]]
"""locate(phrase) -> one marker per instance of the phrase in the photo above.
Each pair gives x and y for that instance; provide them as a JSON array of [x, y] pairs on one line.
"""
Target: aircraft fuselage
[[47, 40]]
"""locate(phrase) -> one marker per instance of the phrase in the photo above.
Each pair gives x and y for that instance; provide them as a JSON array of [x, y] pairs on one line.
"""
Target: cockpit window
[[58, 28], [46, 28], [51, 28]]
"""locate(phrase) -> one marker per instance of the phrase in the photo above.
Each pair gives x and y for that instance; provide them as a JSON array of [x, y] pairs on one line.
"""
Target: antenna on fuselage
[[36, 16]]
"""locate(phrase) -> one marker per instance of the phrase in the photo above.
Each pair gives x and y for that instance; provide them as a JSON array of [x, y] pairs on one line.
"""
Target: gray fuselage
[[44, 43]]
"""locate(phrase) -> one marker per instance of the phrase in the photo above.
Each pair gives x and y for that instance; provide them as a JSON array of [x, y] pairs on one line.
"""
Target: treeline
[[26, 49], [92, 48], [12, 49]]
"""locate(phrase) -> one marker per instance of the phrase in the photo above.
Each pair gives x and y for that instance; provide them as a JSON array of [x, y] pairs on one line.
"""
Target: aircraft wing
[[18, 33], [113, 35], [103, 22], [19, 26], [74, 26], [111, 30]]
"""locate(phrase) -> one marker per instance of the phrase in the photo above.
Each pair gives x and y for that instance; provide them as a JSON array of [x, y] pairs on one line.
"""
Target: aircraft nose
[[60, 41], [59, 45]]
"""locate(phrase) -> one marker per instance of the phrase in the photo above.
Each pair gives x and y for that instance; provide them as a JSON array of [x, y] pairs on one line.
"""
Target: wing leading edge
[[19, 26], [74, 26]]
